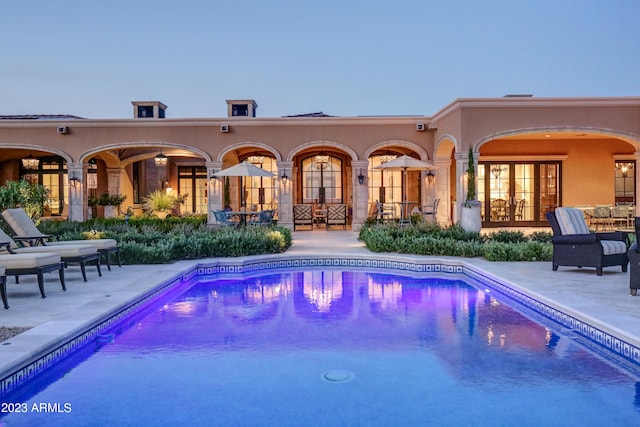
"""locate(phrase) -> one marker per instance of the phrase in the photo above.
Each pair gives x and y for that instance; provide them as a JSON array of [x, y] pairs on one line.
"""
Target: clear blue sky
[[342, 57]]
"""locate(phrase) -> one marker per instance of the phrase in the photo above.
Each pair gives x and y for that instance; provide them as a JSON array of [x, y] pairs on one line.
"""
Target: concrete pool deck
[[603, 300]]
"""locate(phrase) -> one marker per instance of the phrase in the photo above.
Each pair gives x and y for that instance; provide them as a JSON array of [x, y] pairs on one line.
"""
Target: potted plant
[[111, 203], [470, 218], [159, 203]]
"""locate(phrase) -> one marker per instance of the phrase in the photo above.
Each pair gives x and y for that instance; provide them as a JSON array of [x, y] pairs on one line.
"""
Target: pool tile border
[[612, 343]]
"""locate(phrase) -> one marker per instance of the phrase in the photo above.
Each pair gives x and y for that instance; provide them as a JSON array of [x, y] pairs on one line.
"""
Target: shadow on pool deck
[[605, 299]]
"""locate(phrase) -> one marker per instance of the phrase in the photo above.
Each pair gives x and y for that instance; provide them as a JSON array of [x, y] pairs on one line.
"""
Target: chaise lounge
[[26, 264], [69, 254], [575, 245], [26, 231]]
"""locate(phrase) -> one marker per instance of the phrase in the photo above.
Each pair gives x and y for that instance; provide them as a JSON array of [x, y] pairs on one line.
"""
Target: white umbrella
[[405, 163], [243, 169]]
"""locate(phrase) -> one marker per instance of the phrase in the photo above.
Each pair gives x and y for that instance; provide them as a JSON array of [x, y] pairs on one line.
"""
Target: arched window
[[261, 192], [322, 179]]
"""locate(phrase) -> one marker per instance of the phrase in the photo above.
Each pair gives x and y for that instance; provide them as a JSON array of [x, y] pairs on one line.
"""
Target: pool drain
[[337, 376]]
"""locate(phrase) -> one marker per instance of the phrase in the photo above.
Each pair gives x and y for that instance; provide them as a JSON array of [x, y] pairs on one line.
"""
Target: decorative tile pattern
[[220, 268]]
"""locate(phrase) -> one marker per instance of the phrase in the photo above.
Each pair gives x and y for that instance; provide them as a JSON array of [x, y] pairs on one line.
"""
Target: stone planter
[[470, 219], [110, 211]]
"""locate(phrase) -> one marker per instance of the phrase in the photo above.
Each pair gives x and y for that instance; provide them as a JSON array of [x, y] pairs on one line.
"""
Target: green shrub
[[153, 241], [430, 239]]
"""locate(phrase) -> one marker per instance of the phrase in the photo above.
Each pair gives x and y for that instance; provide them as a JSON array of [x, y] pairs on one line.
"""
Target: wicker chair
[[634, 260], [574, 245]]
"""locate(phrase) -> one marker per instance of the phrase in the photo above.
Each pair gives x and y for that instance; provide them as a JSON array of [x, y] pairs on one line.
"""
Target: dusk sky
[[341, 57]]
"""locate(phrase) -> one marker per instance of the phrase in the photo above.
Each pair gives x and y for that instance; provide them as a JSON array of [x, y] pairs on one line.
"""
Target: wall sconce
[[361, 178], [74, 181], [214, 179], [284, 176], [161, 160], [430, 177], [165, 183]]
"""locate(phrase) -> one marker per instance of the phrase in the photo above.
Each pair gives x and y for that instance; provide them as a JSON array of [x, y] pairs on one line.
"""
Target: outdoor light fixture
[[74, 181], [161, 160], [93, 164], [214, 179], [430, 177], [165, 183], [496, 171], [387, 157], [624, 168], [284, 176], [255, 159], [361, 178], [30, 162]]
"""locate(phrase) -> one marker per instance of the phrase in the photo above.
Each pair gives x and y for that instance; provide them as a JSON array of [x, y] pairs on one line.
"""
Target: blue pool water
[[329, 348]]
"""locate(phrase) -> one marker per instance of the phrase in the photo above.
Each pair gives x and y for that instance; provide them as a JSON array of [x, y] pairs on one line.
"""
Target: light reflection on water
[[417, 348]]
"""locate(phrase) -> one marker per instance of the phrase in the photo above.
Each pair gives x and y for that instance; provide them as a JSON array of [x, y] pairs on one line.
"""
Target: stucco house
[[533, 155]]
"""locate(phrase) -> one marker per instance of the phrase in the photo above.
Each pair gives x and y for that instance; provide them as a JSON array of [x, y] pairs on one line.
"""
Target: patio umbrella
[[243, 169], [405, 163]]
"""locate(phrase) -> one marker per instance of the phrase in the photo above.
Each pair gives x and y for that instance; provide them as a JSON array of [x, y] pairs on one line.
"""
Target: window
[[384, 185], [261, 192], [52, 174], [192, 186], [145, 111], [239, 110], [322, 179], [625, 178]]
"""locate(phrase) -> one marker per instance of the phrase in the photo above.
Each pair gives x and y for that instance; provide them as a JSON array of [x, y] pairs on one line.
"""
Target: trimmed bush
[[430, 239], [155, 241]]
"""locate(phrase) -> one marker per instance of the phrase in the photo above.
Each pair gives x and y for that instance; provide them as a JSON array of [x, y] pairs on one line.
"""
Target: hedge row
[[429, 239]]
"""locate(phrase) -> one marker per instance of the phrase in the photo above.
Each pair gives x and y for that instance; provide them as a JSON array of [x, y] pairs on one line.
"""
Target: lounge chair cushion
[[613, 247], [23, 261], [97, 243], [571, 221], [61, 250]]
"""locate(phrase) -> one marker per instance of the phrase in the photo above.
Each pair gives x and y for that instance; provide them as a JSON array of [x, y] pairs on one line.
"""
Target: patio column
[[442, 190], [77, 194], [360, 208], [286, 190], [215, 199], [462, 162]]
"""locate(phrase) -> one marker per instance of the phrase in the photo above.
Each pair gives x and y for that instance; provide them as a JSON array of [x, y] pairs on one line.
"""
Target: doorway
[[518, 193]]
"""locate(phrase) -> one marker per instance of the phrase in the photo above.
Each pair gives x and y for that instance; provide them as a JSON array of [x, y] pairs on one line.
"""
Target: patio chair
[[223, 219], [69, 254], [26, 231], [262, 218], [385, 212], [26, 264], [337, 215], [302, 215], [634, 261], [601, 216], [574, 245], [431, 211]]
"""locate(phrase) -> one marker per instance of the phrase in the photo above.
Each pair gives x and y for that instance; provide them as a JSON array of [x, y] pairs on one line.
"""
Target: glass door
[[518, 194]]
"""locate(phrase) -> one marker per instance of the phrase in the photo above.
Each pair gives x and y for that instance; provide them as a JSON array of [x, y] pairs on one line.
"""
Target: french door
[[518, 193]]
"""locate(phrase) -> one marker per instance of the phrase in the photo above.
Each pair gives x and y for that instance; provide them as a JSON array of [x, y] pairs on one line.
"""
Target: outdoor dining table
[[242, 215], [405, 206]]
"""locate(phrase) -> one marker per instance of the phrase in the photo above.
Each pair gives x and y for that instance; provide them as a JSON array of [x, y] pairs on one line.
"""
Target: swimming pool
[[330, 347]]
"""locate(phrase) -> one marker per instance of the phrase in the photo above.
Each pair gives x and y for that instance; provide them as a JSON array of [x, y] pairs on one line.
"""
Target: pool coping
[[32, 352]]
